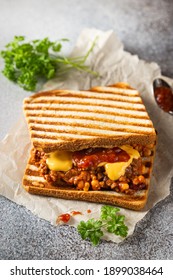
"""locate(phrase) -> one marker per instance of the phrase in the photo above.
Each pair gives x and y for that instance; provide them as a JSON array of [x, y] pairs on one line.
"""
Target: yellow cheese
[[117, 169], [59, 161], [132, 152], [62, 161]]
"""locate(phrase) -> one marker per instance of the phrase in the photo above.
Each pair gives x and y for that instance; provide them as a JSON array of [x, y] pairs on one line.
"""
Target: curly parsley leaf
[[91, 230], [110, 219], [116, 225], [108, 211], [114, 222], [27, 63]]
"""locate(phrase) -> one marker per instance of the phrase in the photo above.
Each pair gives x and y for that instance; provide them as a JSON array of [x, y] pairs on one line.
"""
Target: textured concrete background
[[145, 28]]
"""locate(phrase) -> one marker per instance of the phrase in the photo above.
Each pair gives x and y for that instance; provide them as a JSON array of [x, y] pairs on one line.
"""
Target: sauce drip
[[66, 216], [164, 98], [89, 158], [63, 218], [74, 213]]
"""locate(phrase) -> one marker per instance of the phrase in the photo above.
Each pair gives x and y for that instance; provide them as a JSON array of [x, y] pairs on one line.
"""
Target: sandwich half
[[96, 145]]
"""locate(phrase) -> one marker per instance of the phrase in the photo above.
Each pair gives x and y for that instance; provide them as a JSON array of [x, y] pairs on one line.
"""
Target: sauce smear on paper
[[63, 218], [74, 213]]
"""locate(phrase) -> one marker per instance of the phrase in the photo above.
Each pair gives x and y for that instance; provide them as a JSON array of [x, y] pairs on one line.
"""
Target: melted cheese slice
[[62, 161], [117, 169], [59, 161]]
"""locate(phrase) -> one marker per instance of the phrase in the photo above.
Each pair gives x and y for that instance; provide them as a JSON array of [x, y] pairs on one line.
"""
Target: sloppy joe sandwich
[[95, 145]]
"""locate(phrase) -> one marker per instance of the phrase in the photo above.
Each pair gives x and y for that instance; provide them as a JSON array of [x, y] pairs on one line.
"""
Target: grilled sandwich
[[96, 145]]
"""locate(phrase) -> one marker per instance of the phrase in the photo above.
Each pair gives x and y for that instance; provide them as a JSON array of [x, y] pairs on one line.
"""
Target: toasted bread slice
[[74, 120]]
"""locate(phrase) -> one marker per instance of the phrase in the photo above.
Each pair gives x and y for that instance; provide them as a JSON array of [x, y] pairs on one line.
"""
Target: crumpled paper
[[114, 65]]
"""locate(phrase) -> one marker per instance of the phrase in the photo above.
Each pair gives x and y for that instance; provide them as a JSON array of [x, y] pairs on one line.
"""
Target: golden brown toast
[[74, 120]]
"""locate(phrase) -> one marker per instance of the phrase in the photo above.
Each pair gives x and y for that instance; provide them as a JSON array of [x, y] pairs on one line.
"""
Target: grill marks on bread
[[56, 109], [61, 117], [101, 112], [81, 100]]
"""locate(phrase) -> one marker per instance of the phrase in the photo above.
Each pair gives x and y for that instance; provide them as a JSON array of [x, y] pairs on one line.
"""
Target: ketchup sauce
[[74, 213], [92, 157], [63, 218], [66, 216], [164, 98]]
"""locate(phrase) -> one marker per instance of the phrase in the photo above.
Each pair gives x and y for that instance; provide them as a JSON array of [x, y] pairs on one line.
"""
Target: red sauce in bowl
[[164, 98]]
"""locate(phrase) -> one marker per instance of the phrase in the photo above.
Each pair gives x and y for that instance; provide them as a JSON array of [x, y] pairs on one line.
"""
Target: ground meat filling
[[133, 180]]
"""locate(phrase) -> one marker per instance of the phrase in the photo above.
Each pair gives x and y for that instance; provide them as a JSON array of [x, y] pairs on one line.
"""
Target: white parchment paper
[[114, 65]]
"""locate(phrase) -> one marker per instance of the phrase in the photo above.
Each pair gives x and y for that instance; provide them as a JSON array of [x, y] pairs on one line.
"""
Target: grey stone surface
[[145, 28]]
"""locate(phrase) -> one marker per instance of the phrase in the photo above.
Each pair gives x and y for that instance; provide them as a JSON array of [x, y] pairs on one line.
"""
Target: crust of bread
[[135, 202], [79, 144]]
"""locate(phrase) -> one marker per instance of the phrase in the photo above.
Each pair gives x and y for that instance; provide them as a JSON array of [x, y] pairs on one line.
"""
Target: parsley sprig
[[27, 63], [109, 220]]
